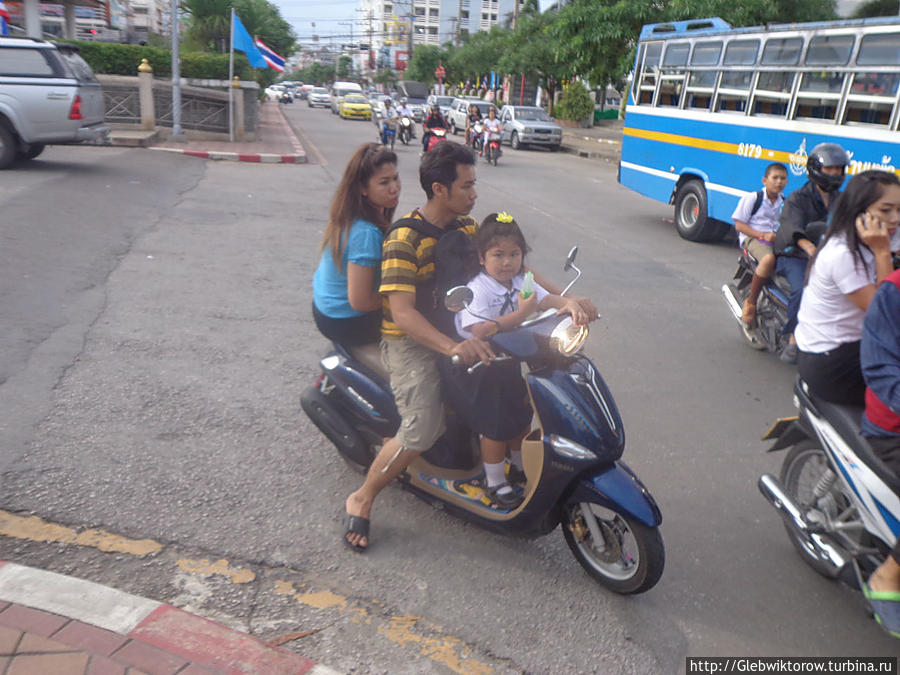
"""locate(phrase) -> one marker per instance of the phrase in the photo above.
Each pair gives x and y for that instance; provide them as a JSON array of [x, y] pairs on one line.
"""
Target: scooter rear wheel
[[628, 559], [807, 471]]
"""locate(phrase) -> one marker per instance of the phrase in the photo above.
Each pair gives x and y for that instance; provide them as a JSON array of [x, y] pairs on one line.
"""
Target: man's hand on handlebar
[[472, 350]]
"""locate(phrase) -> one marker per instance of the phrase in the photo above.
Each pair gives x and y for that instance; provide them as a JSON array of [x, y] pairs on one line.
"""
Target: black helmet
[[827, 154]]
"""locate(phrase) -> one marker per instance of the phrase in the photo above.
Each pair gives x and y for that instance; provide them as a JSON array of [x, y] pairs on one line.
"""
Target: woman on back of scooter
[[841, 279], [494, 400], [346, 302]]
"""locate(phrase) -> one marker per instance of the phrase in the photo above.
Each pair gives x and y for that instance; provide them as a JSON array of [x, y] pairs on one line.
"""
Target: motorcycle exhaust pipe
[[732, 303], [835, 557]]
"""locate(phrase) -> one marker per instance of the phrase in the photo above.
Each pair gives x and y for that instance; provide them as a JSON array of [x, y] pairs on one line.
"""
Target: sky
[[332, 18]]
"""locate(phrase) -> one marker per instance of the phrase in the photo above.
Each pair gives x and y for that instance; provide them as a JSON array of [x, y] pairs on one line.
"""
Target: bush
[[115, 59], [575, 103]]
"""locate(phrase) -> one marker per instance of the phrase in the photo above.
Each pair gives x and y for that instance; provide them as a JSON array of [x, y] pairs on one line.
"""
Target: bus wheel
[[690, 211]]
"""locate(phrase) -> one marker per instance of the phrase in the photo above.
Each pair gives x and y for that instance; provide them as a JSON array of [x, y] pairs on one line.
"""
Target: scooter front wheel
[[617, 551]]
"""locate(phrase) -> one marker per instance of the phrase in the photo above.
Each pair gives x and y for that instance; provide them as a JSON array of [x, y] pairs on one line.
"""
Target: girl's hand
[[873, 232], [573, 307], [528, 306]]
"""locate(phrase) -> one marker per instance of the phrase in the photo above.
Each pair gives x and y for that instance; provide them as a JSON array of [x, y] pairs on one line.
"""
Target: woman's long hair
[[349, 204], [862, 191]]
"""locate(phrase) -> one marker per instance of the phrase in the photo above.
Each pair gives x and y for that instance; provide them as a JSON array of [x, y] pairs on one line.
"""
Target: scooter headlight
[[567, 338]]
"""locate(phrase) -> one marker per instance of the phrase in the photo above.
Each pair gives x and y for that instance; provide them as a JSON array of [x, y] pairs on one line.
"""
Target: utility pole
[[459, 23], [176, 76], [515, 13]]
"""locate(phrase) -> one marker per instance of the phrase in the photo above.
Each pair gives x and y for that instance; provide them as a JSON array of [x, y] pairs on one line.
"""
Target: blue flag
[[241, 40]]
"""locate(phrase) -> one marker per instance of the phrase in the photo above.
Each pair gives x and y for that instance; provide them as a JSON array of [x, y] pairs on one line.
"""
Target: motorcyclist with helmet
[[403, 110], [802, 223], [435, 120]]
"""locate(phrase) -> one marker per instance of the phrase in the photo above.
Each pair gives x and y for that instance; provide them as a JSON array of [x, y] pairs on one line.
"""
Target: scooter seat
[[846, 420], [369, 355]]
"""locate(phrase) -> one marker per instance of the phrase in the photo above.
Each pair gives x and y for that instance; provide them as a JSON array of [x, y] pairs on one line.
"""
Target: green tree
[[877, 8], [424, 62], [344, 67], [530, 51], [316, 73], [386, 77], [209, 24], [478, 55], [576, 103]]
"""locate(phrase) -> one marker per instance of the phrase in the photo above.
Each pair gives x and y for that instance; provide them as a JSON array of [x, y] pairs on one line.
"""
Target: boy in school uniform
[[756, 221]]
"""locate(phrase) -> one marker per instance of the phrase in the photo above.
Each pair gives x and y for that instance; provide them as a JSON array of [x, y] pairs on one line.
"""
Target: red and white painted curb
[[192, 637], [262, 158]]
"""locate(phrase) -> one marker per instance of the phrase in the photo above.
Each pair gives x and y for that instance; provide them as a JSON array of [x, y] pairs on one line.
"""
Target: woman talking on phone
[[854, 257]]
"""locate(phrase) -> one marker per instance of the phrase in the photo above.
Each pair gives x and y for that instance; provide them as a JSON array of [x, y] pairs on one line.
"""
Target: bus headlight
[[567, 338]]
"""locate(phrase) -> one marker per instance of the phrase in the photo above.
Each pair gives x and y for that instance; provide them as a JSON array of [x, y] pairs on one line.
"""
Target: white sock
[[496, 474], [515, 458]]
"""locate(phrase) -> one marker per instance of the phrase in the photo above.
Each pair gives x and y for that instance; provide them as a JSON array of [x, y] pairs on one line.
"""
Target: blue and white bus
[[710, 106]]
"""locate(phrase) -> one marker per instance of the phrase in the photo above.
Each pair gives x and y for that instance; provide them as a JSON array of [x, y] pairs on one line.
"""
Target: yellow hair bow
[[504, 217]]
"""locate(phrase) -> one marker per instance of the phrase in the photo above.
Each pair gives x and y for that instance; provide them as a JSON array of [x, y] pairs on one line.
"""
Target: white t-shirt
[[766, 217], [489, 298], [828, 318], [492, 126]]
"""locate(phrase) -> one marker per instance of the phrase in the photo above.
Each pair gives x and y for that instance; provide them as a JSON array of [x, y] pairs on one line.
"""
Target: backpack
[[455, 263], [759, 197]]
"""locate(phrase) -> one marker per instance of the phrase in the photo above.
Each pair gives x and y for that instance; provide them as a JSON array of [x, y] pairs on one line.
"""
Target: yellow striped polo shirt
[[407, 261]]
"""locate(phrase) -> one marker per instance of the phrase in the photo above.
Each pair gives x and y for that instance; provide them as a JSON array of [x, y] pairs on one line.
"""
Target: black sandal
[[356, 525]]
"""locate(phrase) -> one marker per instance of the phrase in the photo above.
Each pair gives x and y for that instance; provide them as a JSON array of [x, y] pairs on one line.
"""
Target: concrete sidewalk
[[275, 143], [602, 141], [56, 624]]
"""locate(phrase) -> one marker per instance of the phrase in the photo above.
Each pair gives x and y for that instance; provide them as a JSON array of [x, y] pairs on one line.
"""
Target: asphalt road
[[156, 338]]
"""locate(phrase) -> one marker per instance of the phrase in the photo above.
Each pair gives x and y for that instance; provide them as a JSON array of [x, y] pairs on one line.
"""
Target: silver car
[[48, 95], [529, 125], [318, 96]]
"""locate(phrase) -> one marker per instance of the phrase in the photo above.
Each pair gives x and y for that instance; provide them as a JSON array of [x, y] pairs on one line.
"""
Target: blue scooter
[[574, 474]]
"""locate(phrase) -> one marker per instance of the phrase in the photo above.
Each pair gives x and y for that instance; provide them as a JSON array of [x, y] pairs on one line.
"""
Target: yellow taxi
[[356, 106]]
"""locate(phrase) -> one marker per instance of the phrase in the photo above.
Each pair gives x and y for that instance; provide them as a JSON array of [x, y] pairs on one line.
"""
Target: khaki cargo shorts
[[416, 384], [758, 249]]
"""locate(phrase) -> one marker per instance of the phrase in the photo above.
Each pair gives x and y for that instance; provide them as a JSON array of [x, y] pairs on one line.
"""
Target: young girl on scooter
[[494, 400]]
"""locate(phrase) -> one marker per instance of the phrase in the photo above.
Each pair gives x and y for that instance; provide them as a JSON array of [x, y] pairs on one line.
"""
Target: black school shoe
[[505, 501], [515, 475]]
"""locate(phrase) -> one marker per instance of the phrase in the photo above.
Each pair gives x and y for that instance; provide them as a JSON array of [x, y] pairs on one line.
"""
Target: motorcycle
[[477, 136], [388, 133], [840, 504], [437, 136], [406, 130], [771, 306], [572, 460], [492, 150]]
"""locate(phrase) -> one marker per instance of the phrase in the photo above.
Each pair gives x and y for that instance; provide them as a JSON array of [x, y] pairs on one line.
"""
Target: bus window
[[672, 77], [705, 54], [872, 94], [829, 50], [881, 49], [735, 82], [782, 51], [651, 53]]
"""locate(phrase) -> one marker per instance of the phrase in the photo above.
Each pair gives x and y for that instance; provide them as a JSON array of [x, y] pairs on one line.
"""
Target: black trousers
[[836, 375], [357, 330]]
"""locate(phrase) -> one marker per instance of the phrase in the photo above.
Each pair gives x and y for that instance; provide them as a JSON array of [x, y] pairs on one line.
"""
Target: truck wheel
[[8, 147]]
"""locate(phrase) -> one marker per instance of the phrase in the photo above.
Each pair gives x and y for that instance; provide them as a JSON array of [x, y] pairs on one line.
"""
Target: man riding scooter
[[435, 120]]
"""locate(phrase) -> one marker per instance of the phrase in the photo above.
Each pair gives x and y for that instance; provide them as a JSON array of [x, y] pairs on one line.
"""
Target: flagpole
[[230, 80]]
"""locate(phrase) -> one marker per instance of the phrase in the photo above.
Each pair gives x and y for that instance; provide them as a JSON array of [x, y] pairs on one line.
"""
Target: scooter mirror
[[458, 298], [570, 258]]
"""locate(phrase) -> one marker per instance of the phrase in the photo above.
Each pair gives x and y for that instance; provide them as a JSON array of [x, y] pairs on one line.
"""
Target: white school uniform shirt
[[766, 217], [492, 299], [828, 318]]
